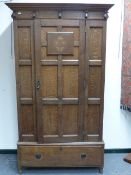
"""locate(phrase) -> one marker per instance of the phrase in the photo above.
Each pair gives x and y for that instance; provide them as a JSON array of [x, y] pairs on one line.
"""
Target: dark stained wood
[[95, 62], [60, 101], [60, 156], [55, 62], [95, 71], [59, 76], [58, 6], [76, 43], [25, 62], [81, 79], [95, 144], [93, 100], [59, 22], [24, 44], [60, 70], [60, 43], [37, 73], [103, 24]]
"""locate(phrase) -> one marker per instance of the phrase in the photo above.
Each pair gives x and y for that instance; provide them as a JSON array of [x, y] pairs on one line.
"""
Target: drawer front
[[60, 156]]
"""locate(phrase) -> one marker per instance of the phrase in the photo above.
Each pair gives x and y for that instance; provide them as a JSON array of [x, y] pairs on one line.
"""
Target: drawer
[[60, 156]]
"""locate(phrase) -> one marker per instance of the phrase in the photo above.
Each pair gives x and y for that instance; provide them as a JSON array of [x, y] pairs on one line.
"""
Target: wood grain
[[61, 120], [70, 81]]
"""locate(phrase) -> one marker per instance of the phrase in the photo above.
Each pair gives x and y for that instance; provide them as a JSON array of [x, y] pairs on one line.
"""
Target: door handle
[[38, 84]]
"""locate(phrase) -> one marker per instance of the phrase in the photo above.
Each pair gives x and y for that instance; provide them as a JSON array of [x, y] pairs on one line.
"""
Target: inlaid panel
[[96, 43], [70, 118], [25, 81], [24, 42], [60, 43], [49, 81], [70, 81], [50, 119], [95, 81], [27, 128]]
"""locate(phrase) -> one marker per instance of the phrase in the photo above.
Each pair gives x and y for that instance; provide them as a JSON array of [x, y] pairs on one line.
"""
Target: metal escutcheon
[[38, 156], [38, 84], [83, 155]]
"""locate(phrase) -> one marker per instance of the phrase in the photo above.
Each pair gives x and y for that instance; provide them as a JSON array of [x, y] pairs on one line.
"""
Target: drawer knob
[[38, 156], [83, 155]]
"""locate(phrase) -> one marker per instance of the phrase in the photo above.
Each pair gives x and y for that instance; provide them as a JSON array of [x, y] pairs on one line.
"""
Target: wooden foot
[[20, 171], [128, 158], [19, 168], [101, 170]]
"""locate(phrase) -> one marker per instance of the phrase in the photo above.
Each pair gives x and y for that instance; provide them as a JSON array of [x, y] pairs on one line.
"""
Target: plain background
[[117, 123]]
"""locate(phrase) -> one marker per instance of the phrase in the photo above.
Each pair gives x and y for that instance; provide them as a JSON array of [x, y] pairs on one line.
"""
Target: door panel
[[70, 118], [24, 53], [24, 42], [59, 64], [95, 81], [70, 81], [94, 76], [25, 80], [50, 119], [49, 81]]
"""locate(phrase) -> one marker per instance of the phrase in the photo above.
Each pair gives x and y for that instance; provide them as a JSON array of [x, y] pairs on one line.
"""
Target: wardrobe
[[60, 71]]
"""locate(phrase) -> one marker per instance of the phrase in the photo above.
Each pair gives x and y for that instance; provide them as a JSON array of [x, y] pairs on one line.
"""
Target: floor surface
[[114, 165]]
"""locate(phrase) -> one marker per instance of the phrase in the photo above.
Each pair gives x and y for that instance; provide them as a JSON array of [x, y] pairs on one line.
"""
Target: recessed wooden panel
[[49, 81], [70, 118], [47, 14], [24, 42], [76, 32], [60, 43], [92, 121], [73, 15], [25, 80], [96, 43], [50, 119], [44, 31], [75, 55], [95, 81], [70, 81], [45, 56], [27, 122]]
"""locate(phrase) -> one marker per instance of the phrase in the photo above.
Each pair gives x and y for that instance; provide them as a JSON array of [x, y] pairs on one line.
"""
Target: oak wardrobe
[[60, 70]]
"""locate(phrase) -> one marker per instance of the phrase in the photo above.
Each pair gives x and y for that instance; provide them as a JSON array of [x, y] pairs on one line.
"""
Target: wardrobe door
[[94, 76], [59, 51], [24, 53]]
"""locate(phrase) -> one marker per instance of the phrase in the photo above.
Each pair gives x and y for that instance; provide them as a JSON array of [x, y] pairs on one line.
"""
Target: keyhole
[[38, 156], [83, 155]]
